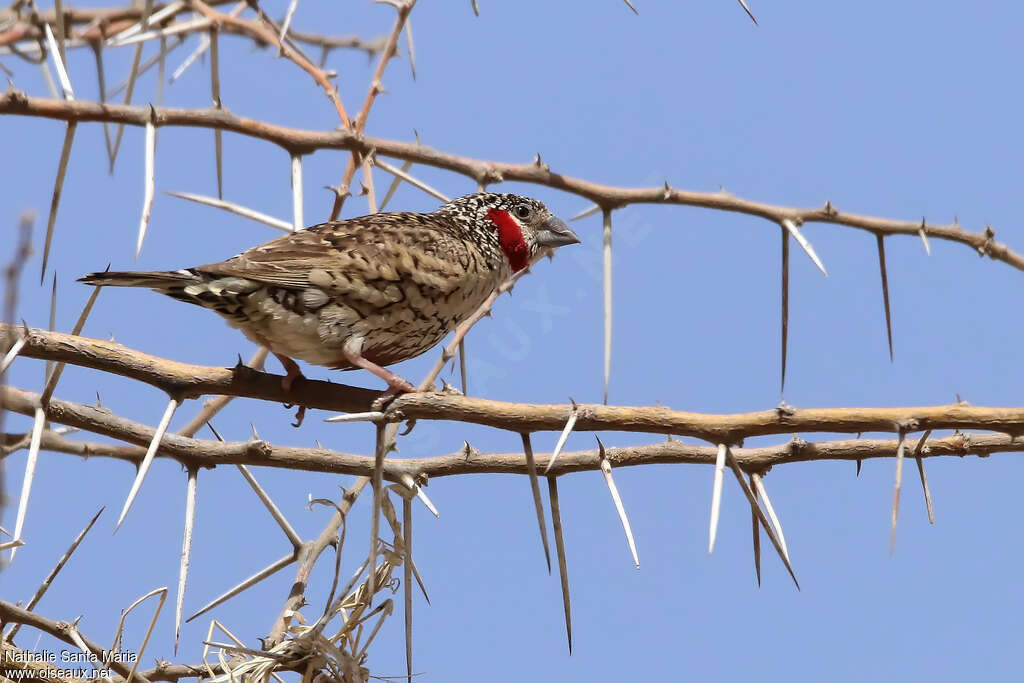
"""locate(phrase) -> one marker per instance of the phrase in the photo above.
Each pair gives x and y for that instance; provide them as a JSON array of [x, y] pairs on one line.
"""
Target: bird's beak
[[555, 233]]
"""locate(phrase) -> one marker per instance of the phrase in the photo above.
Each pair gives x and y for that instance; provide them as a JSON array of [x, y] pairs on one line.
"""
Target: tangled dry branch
[[27, 33]]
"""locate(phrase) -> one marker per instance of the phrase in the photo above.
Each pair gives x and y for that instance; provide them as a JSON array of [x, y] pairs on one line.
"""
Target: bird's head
[[520, 229]]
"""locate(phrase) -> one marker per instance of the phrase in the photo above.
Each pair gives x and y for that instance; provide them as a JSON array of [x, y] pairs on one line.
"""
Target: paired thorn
[[150, 181], [752, 499], [154, 444], [563, 572], [900, 450], [606, 470], [790, 225], [569, 424], [923, 232], [58, 187], [918, 450], [236, 209], [191, 489], [407, 481], [716, 496], [39, 421], [607, 263], [785, 305], [885, 290], [531, 468]]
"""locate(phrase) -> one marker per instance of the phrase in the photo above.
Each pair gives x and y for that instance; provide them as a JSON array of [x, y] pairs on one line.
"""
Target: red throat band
[[510, 236]]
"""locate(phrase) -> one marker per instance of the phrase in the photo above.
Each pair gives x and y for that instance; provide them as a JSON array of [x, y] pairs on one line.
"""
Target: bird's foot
[[293, 372], [396, 385]]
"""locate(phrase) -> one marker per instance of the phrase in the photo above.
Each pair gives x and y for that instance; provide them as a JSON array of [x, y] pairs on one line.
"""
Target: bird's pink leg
[[396, 383], [292, 369], [292, 373]]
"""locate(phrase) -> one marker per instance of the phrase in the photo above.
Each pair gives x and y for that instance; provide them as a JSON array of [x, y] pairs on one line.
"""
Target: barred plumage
[[370, 291]]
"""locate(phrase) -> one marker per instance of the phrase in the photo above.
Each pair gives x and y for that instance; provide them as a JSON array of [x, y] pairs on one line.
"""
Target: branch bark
[[298, 141]]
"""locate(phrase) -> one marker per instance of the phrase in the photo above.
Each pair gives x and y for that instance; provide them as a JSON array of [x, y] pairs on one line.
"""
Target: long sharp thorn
[[45, 585], [900, 449], [750, 14], [154, 444], [289, 13], [419, 582], [412, 49], [395, 182], [254, 579], [58, 187], [716, 496], [204, 45], [569, 424], [54, 377], [762, 492], [11, 354], [30, 472], [400, 173], [58, 62], [275, 511], [132, 76], [378, 486], [756, 509], [589, 211], [791, 226], [407, 583], [161, 72], [186, 548], [58, 10], [282, 225], [53, 326], [606, 470], [150, 183], [462, 366], [215, 93], [411, 484], [298, 222], [607, 262], [563, 572], [97, 48], [531, 468], [630, 5], [756, 525], [785, 305], [924, 238], [48, 77], [885, 291], [924, 478]]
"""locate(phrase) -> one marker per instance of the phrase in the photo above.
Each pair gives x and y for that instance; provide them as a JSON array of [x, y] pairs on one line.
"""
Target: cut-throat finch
[[366, 292]]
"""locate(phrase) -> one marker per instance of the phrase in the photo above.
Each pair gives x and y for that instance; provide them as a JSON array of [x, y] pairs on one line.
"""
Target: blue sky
[[892, 109]]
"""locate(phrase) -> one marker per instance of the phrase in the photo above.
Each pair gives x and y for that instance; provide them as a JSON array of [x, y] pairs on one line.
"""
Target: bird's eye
[[523, 211]]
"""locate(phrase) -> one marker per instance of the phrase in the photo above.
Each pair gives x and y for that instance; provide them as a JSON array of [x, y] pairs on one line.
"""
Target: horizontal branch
[[88, 24], [210, 453], [62, 630], [183, 381], [299, 141]]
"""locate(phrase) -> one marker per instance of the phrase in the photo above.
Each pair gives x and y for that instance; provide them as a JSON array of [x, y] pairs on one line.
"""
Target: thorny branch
[[22, 33], [84, 26], [299, 141]]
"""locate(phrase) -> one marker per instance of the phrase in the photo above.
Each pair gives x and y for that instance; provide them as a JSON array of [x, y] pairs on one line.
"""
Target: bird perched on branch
[[366, 292]]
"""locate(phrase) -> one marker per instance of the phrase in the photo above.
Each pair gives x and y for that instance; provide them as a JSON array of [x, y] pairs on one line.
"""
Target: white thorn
[[148, 459], [716, 496]]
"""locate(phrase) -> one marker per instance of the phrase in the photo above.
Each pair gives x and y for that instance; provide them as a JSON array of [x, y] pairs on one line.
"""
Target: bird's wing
[[382, 247]]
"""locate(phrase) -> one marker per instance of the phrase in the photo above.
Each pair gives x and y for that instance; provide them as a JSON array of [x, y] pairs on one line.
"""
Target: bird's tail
[[160, 280]]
